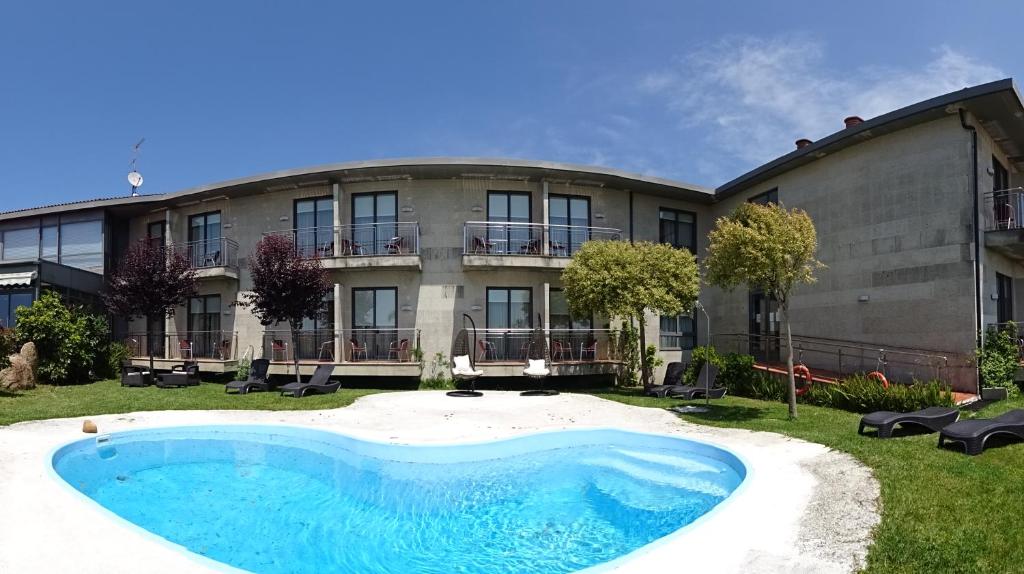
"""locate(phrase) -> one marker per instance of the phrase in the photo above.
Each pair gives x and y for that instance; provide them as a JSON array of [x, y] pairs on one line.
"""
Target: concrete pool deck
[[806, 508]]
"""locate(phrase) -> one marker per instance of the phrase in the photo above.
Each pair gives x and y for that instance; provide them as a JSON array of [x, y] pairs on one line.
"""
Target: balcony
[[214, 351], [363, 351], [1002, 213], [360, 246], [491, 245], [503, 352], [211, 257]]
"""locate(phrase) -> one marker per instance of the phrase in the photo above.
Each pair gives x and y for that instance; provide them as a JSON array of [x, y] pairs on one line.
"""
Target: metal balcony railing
[[357, 240], [530, 239], [221, 252], [184, 345], [385, 344], [564, 345], [1003, 209]]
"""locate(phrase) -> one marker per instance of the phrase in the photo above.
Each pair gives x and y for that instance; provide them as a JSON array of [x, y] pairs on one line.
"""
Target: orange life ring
[[802, 371], [880, 378]]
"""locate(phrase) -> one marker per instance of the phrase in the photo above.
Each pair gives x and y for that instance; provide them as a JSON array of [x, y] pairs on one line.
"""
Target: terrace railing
[[384, 344], [221, 252], [531, 239], [1004, 209], [313, 345], [184, 345], [564, 345], [357, 240]]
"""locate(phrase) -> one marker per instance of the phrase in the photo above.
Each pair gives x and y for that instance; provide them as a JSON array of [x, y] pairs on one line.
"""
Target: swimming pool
[[276, 499]]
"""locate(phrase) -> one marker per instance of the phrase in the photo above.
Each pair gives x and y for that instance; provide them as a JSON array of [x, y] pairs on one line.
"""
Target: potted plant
[[998, 361]]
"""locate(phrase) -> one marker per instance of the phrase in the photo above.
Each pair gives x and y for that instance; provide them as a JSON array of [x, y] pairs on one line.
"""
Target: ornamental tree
[[620, 279], [286, 287], [150, 282], [770, 248]]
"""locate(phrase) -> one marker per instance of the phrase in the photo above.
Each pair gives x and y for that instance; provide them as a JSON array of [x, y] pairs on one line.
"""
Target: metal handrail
[[1004, 209], [205, 253], [221, 345], [356, 240], [530, 239]]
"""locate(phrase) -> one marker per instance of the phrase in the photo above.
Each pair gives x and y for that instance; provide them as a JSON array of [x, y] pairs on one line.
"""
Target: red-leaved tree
[[150, 282], [286, 287]]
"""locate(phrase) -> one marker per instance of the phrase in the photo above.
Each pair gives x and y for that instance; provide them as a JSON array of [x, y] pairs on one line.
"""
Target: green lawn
[[106, 397], [942, 510]]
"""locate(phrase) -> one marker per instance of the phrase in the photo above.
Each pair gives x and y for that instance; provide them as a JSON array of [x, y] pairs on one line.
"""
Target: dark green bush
[[860, 394], [117, 353], [8, 346], [999, 359], [738, 375], [71, 343]]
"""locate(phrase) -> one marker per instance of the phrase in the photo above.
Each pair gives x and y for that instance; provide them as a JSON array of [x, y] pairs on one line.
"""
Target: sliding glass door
[[204, 235], [570, 220], [374, 321], [314, 227], [374, 218]]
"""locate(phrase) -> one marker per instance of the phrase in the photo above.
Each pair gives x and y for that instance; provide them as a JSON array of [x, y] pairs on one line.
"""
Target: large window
[[155, 234], [204, 326], [374, 323], [314, 226], [509, 308], [678, 332], [51, 245], [373, 222], [1004, 295], [21, 244], [573, 213], [770, 196], [559, 314], [81, 245], [204, 240], [678, 228], [9, 303], [510, 207]]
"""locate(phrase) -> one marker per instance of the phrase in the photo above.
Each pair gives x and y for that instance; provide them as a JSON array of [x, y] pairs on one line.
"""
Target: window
[[573, 214], [770, 196], [204, 325], [678, 332], [1004, 293], [678, 229], [314, 227], [510, 207], [1000, 176], [373, 221], [509, 308], [21, 244], [9, 303], [374, 308], [204, 249], [155, 234], [559, 314], [50, 243], [81, 245]]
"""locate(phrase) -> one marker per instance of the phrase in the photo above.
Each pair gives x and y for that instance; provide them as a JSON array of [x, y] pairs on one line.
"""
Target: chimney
[[802, 143], [852, 121]]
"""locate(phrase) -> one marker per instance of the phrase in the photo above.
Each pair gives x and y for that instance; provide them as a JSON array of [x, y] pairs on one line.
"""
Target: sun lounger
[[319, 383], [931, 418], [691, 392], [256, 381], [673, 379], [973, 433], [186, 375]]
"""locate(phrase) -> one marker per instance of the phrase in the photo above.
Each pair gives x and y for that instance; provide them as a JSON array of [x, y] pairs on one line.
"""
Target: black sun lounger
[[702, 388], [256, 381], [319, 383], [673, 377], [931, 418], [974, 433]]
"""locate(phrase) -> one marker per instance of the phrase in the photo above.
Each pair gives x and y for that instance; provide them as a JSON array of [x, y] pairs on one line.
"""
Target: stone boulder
[[21, 375]]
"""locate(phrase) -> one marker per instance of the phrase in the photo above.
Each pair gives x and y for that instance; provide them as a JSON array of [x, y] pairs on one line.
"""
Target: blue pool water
[[289, 500]]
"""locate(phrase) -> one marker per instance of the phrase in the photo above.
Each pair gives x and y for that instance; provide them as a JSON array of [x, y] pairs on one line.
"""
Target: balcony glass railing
[[531, 239], [564, 345], [384, 344], [358, 240], [184, 345], [1003, 209], [221, 252]]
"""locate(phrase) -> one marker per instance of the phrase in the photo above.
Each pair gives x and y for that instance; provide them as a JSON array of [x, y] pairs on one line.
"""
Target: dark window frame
[[508, 205], [693, 232], [1000, 175], [677, 334], [315, 200], [766, 197], [509, 289], [571, 318], [1004, 301], [374, 195], [162, 224], [373, 290]]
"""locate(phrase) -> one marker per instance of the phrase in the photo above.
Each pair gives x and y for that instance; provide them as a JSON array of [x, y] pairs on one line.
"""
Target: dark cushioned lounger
[[932, 418], [696, 391], [690, 393], [319, 383], [673, 375], [257, 380], [974, 433]]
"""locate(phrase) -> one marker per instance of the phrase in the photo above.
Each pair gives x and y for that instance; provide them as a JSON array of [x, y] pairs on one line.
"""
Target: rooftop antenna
[[134, 177]]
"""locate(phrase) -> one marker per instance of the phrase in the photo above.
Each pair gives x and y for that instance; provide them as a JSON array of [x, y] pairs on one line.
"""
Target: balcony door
[[314, 227], [374, 219], [509, 318], [764, 326], [1004, 296], [510, 207], [374, 320], [204, 244], [569, 217], [204, 325]]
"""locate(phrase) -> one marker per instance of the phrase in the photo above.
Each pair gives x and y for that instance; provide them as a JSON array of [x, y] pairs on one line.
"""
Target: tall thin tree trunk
[[645, 374], [295, 353], [784, 307], [149, 344]]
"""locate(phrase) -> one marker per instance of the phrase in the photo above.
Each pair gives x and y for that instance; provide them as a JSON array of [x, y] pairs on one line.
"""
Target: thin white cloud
[[752, 97]]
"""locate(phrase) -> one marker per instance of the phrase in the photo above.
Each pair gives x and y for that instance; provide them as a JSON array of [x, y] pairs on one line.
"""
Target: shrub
[[117, 353], [654, 360], [742, 379], [999, 359], [698, 357], [8, 346], [70, 341], [860, 394], [439, 378], [242, 372]]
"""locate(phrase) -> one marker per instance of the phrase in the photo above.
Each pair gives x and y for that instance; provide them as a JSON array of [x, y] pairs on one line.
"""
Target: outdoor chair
[[558, 249], [397, 348], [326, 249], [186, 375], [185, 347], [395, 245], [132, 376], [560, 351], [933, 419], [256, 381], [588, 348], [482, 246], [531, 247], [673, 379], [211, 259], [486, 350], [357, 349], [319, 384], [349, 247], [278, 346], [224, 350], [326, 349], [973, 434], [704, 386]]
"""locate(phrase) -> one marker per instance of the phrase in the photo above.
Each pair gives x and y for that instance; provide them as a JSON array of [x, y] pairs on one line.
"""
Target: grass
[[942, 511], [108, 397]]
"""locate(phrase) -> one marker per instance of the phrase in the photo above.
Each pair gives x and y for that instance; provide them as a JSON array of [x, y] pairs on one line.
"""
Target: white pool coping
[[805, 508]]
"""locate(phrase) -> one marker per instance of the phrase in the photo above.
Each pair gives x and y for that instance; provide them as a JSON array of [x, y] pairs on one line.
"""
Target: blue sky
[[698, 91]]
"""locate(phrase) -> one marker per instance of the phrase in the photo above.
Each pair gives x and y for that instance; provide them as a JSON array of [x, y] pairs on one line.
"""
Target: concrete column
[[545, 242], [546, 311], [339, 325]]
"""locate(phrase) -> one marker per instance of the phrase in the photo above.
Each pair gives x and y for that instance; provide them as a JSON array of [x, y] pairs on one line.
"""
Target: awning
[[9, 279]]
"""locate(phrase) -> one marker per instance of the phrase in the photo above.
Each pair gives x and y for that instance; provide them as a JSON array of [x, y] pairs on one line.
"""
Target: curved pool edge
[[711, 449]]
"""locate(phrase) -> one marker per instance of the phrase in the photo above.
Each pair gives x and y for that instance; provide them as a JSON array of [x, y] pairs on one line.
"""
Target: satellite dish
[[135, 179]]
